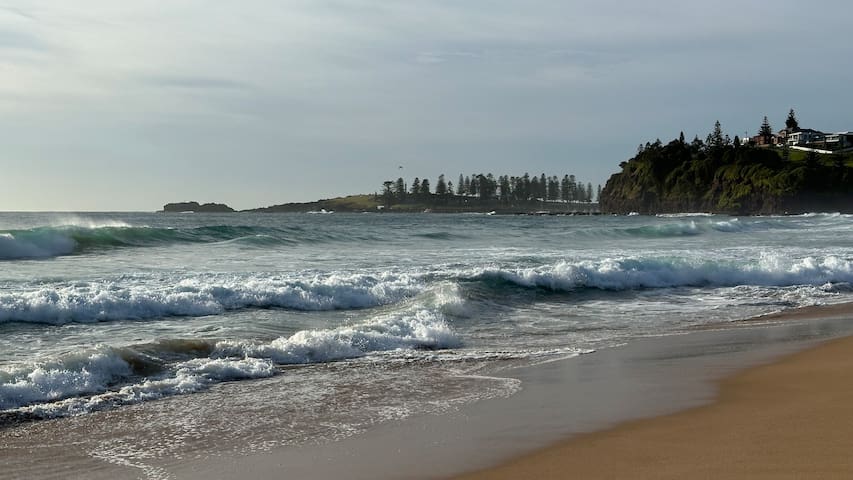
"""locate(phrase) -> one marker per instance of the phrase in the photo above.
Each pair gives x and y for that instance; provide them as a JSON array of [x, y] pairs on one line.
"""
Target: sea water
[[243, 332]]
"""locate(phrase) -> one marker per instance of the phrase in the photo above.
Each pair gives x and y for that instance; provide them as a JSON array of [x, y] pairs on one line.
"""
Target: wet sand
[[792, 418], [805, 408], [648, 377]]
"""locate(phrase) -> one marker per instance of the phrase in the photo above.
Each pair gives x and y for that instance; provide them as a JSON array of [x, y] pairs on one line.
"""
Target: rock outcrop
[[195, 207]]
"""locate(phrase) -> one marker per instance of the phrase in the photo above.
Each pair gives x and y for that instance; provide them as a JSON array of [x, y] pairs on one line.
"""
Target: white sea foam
[[90, 223], [81, 383], [733, 225], [686, 214], [198, 296], [632, 273], [58, 393], [419, 329], [57, 379]]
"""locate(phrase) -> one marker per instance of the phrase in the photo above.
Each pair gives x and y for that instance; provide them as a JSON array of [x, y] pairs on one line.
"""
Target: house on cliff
[[803, 136], [839, 141]]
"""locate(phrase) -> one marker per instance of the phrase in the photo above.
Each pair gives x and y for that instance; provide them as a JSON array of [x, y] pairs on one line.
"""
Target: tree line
[[504, 189]]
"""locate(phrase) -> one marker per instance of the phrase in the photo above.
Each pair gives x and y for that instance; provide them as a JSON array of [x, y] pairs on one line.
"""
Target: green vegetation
[[479, 192], [353, 203], [719, 175]]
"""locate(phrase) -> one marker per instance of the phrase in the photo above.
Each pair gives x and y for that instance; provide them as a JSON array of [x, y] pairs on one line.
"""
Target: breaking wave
[[120, 299], [106, 376], [635, 273], [47, 242], [205, 295]]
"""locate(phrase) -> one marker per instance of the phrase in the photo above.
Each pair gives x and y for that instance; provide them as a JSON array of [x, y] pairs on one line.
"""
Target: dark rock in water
[[195, 207]]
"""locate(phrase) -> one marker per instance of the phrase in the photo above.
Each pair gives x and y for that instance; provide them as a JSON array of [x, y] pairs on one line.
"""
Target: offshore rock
[[195, 207]]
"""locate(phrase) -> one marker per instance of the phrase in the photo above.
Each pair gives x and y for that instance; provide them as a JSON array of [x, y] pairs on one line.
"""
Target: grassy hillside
[[680, 176]]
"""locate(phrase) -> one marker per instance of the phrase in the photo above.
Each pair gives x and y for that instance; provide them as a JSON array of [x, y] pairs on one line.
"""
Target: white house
[[804, 136], [840, 140]]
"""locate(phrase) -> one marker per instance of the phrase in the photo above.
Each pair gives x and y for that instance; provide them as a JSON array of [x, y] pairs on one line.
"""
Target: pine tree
[[460, 187], [791, 123], [696, 145], [388, 192], [416, 186], [765, 131], [425, 187], [491, 186], [715, 138], [504, 188], [441, 186], [553, 188], [400, 189], [534, 187], [573, 189], [598, 192]]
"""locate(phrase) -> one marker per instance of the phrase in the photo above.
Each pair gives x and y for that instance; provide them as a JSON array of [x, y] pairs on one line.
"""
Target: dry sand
[[789, 419]]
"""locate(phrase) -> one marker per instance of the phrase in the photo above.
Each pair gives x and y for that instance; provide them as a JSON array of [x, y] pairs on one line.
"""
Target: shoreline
[[789, 418], [564, 399], [560, 401]]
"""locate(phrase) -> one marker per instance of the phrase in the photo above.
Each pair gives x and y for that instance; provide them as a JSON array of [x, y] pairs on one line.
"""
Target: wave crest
[[636, 273], [105, 377], [47, 242], [422, 329], [106, 301]]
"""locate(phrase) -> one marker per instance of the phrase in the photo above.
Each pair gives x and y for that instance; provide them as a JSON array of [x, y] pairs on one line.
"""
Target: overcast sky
[[114, 105]]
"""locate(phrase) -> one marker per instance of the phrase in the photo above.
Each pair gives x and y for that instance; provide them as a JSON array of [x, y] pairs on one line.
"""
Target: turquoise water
[[105, 311]]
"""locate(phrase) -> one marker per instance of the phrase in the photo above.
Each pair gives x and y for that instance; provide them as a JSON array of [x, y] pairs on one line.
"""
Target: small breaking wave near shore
[[109, 376]]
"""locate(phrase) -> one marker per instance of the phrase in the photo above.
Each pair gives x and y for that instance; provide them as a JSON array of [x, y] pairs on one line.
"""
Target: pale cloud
[[276, 95]]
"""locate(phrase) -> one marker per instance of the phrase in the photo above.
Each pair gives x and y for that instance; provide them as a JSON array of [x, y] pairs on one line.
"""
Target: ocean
[[216, 334]]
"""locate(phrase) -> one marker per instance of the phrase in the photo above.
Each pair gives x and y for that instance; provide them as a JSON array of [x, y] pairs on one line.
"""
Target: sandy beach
[[792, 418], [579, 417], [757, 400]]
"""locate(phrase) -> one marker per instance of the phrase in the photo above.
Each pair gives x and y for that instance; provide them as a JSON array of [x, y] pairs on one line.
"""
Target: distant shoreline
[[373, 204]]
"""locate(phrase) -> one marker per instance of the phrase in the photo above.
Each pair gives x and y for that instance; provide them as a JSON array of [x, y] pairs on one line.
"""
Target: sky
[[109, 105]]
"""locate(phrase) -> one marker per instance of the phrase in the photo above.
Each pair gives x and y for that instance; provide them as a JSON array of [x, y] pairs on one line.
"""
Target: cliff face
[[681, 177], [196, 207]]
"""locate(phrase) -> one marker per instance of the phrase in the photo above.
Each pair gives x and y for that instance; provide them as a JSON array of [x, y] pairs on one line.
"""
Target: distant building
[[804, 136], [764, 141], [838, 141]]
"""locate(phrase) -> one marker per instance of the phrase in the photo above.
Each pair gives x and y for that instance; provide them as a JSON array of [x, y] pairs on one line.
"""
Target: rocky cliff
[[724, 178]]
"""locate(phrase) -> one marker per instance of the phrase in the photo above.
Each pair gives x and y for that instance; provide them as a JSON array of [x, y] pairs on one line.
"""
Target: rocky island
[[195, 207]]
